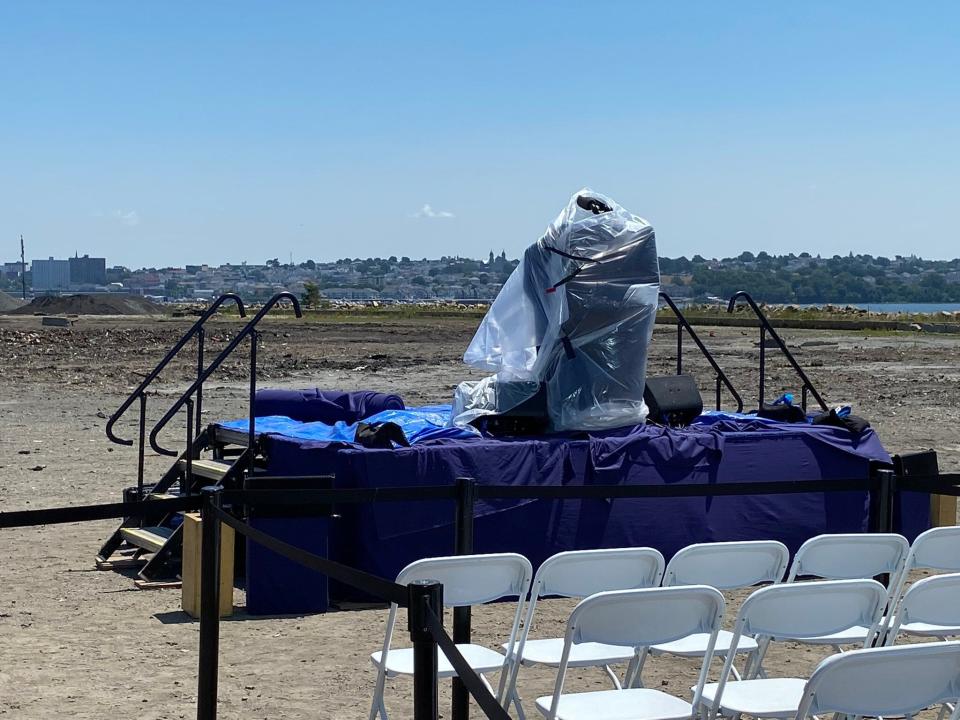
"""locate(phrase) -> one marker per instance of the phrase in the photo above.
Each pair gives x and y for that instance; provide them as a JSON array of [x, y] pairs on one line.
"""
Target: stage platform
[[718, 448]]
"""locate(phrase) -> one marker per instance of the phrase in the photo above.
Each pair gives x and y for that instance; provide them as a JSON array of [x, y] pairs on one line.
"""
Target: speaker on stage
[[673, 400]]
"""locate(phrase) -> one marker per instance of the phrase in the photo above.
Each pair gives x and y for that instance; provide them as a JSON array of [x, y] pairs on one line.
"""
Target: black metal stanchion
[[252, 419], [209, 605], [425, 596], [142, 443], [881, 502], [466, 499]]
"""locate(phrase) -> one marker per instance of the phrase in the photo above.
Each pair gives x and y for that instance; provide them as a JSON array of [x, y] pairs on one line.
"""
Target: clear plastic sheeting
[[575, 318]]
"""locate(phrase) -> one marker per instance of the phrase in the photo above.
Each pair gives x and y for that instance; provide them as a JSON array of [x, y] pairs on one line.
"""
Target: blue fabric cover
[[325, 406], [418, 424], [384, 537]]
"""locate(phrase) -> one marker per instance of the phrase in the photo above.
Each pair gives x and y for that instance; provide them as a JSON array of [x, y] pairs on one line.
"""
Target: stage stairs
[[212, 456], [156, 542]]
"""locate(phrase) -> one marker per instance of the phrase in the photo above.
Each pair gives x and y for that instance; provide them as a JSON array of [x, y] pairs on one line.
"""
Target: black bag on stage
[[381, 436], [782, 413], [853, 423]]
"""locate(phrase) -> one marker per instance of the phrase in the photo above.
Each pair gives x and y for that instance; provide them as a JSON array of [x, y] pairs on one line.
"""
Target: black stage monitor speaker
[[672, 400], [529, 417]]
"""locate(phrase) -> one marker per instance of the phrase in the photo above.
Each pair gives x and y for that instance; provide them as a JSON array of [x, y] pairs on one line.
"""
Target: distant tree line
[[806, 279]]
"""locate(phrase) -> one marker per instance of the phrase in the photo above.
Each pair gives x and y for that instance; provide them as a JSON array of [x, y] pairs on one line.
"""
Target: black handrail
[[683, 324], [152, 375], [766, 327], [248, 329]]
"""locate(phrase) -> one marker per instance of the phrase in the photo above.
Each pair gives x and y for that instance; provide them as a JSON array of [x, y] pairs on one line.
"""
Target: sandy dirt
[[79, 643]]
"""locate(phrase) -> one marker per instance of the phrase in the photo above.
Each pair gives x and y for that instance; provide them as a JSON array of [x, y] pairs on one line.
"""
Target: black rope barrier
[[373, 584], [485, 699], [605, 492], [324, 496], [86, 513]]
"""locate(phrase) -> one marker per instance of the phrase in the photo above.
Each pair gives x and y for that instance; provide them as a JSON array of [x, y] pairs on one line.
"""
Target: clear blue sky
[[168, 133]]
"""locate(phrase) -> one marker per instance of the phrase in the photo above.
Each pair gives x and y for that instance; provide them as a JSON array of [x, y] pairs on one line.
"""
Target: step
[[150, 539], [162, 496], [209, 469]]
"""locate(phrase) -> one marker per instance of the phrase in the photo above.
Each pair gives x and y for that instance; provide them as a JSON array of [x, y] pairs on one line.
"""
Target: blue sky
[[168, 133]]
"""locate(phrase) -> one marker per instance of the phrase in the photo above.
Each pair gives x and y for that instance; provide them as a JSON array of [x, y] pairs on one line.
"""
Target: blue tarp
[[418, 424]]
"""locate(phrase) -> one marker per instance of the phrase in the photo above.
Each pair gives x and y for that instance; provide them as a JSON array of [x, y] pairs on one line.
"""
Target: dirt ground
[[79, 643]]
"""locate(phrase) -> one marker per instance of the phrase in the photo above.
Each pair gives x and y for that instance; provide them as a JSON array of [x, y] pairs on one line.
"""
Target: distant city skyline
[[170, 133]]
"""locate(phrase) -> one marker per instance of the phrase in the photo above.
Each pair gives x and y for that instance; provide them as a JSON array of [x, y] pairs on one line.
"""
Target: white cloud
[[428, 212], [127, 217]]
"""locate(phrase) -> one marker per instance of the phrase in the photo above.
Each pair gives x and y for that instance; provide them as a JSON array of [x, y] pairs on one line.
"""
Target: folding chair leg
[[613, 677], [514, 699], [637, 679], [487, 684], [377, 707]]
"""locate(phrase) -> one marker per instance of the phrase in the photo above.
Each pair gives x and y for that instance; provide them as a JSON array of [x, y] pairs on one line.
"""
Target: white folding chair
[[577, 574], [930, 608], [789, 611], [640, 618], [725, 566], [890, 681], [849, 557], [935, 549], [467, 580]]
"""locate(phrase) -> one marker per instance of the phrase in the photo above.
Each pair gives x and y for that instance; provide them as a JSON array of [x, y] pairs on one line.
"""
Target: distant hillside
[[89, 305], [811, 279], [8, 303]]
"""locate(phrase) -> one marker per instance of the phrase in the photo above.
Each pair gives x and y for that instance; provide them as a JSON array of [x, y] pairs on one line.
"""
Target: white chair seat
[[851, 636], [921, 628], [547, 651], [634, 704], [481, 659], [773, 697], [696, 645]]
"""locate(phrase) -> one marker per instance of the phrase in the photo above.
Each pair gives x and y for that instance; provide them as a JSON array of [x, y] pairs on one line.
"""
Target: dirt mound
[[90, 305], [7, 302]]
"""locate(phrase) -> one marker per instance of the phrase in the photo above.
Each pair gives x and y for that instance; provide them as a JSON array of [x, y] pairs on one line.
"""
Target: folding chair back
[[728, 565], [642, 618], [932, 601], [937, 549], [884, 681], [795, 611], [850, 556], [473, 579], [579, 573], [467, 580], [804, 610]]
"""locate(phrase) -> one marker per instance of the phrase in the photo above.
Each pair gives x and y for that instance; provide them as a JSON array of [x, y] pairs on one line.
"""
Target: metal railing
[[249, 330], [684, 325], [197, 329], [767, 328]]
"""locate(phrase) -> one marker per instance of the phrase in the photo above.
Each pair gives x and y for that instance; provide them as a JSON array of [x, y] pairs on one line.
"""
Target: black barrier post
[[209, 604], [881, 502], [425, 596], [466, 499]]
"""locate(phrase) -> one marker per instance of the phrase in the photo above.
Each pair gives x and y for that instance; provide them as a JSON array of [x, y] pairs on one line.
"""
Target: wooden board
[[190, 573], [120, 564], [943, 510], [157, 584]]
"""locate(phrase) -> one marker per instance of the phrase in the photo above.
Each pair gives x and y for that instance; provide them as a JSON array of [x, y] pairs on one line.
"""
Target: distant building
[[10, 270], [50, 274], [88, 271]]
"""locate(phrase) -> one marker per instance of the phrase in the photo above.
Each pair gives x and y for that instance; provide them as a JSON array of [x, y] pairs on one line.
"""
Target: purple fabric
[[326, 406], [384, 537]]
